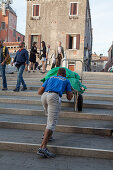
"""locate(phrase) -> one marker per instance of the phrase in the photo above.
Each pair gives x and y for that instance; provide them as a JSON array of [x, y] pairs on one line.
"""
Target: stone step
[[30, 93], [65, 125], [29, 160], [98, 104], [101, 82], [86, 145], [99, 97], [65, 102], [25, 78], [39, 83], [59, 128], [85, 76], [34, 83], [99, 91], [97, 86], [37, 72], [29, 87], [87, 113], [98, 76], [89, 90], [42, 119]]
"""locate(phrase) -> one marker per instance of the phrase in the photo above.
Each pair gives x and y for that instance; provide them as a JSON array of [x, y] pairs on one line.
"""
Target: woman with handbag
[[33, 53]]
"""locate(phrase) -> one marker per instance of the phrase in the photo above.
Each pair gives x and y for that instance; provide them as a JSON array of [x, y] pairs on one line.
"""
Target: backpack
[[8, 61]]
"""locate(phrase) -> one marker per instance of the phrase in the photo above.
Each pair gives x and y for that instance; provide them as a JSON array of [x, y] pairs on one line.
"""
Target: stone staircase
[[79, 134]]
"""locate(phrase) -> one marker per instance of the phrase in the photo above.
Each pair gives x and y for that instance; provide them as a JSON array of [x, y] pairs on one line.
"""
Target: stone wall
[[54, 23]]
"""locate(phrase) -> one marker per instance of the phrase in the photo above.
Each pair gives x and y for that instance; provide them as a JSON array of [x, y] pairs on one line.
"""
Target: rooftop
[[101, 59]]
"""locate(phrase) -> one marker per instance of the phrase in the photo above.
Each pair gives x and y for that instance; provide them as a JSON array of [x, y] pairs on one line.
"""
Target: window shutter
[[29, 42], [37, 10], [72, 7], [34, 10], [39, 41], [75, 9], [78, 42], [67, 41]]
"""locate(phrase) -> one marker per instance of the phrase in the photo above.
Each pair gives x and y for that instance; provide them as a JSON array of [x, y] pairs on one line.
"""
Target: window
[[36, 38], [18, 39], [3, 25], [73, 41], [14, 33], [36, 11], [73, 8]]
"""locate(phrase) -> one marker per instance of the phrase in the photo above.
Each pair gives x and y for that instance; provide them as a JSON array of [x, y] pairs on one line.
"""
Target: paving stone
[[28, 161]]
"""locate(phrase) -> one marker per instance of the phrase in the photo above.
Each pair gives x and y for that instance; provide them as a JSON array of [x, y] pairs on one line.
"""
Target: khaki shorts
[[52, 106]]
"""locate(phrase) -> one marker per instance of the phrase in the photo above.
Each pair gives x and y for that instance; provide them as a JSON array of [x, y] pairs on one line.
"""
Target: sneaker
[[16, 90], [28, 71], [4, 89], [45, 153], [24, 88]]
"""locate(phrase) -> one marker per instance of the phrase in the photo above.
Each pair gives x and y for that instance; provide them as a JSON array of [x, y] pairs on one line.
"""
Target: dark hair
[[62, 72], [43, 44], [34, 43], [23, 43]]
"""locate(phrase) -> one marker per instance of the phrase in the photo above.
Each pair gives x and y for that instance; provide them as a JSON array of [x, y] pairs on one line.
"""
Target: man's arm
[[69, 95], [41, 90], [7, 56], [27, 60]]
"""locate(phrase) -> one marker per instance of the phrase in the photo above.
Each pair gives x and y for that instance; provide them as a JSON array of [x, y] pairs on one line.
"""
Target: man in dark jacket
[[21, 61], [3, 64]]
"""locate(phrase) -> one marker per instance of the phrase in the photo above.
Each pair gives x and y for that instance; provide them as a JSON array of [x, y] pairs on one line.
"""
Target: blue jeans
[[4, 76], [20, 77]]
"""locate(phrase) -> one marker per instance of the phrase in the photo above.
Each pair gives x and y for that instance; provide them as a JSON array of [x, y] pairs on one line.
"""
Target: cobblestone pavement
[[28, 161]]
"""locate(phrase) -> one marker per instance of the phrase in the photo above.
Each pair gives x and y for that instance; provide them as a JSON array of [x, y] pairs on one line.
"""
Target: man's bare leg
[[47, 134]]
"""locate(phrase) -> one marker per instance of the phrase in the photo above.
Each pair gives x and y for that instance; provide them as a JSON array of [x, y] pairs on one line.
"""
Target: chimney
[[3, 9]]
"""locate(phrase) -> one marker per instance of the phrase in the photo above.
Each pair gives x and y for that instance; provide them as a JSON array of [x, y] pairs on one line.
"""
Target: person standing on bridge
[[21, 61], [32, 59], [59, 54], [52, 91], [3, 64]]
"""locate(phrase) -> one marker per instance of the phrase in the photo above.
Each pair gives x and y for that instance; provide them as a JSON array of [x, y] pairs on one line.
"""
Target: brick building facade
[[68, 21], [8, 23]]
